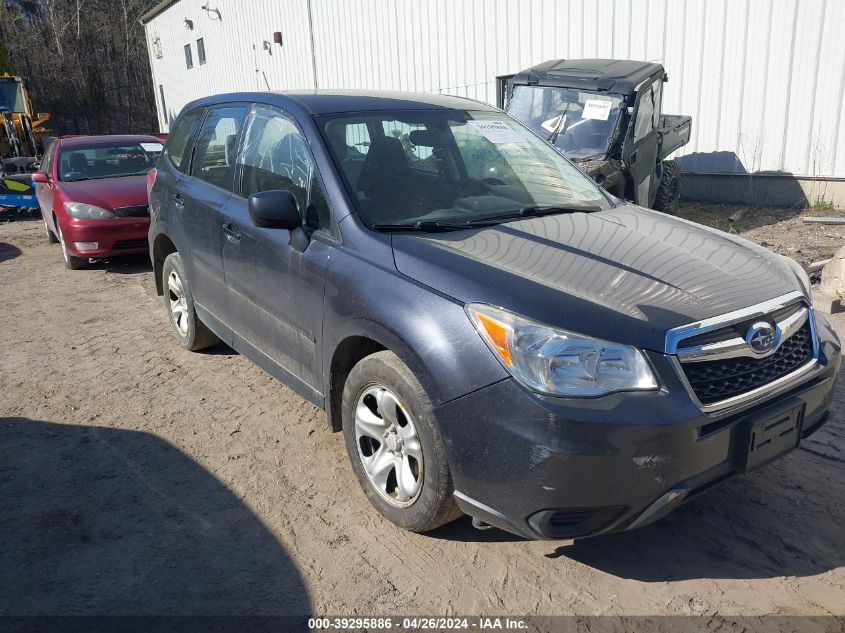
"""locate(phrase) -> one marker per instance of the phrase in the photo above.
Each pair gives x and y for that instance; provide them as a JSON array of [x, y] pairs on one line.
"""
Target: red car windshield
[[108, 161]]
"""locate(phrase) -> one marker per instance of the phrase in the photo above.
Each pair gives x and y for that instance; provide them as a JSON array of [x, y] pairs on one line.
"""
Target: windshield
[[405, 167], [11, 95], [108, 161], [581, 124]]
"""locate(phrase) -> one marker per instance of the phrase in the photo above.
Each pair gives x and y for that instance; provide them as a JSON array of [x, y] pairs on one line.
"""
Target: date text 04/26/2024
[[418, 623]]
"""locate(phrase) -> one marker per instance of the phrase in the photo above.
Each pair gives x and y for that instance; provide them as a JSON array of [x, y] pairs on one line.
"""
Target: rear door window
[[217, 146], [179, 140]]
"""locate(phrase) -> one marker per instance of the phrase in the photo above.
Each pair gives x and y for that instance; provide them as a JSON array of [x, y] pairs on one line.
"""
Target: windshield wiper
[[536, 212], [560, 125], [434, 226]]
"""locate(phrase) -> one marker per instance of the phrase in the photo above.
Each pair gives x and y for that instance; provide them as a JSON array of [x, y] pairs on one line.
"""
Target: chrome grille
[[719, 366], [137, 211], [713, 381]]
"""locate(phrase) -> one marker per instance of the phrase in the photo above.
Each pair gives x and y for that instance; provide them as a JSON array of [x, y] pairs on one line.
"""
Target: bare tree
[[85, 61]]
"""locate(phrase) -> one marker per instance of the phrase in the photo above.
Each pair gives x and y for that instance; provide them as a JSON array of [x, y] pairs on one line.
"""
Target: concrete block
[[829, 304], [833, 275]]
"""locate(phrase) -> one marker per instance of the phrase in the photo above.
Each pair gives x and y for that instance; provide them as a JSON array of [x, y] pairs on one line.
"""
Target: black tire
[[667, 192], [72, 262], [434, 504], [51, 238], [191, 333], [30, 137]]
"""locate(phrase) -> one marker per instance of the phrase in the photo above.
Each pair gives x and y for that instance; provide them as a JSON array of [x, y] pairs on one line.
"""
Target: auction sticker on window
[[596, 109], [496, 131], [152, 147]]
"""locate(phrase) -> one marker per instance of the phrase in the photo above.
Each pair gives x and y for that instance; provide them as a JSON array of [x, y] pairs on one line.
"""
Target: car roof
[[314, 102], [106, 139], [617, 76]]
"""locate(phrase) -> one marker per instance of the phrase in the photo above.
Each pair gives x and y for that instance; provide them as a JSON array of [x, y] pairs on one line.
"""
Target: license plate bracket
[[770, 436]]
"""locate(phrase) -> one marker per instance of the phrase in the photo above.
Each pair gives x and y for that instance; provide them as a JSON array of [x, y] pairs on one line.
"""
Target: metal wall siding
[[763, 79]]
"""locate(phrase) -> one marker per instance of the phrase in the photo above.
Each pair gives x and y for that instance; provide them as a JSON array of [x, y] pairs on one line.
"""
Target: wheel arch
[[162, 247], [363, 339]]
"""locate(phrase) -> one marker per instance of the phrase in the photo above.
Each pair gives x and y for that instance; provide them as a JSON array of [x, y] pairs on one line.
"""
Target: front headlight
[[555, 362], [84, 211]]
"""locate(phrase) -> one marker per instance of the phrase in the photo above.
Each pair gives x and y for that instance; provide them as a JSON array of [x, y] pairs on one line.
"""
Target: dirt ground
[[139, 478], [781, 230]]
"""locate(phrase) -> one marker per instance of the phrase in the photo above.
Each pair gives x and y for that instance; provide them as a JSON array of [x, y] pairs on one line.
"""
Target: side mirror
[[274, 210], [41, 177]]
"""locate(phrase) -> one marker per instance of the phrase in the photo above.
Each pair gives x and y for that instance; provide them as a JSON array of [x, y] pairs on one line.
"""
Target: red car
[[93, 195]]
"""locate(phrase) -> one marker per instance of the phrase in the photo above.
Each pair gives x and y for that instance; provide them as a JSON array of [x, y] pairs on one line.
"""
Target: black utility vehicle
[[605, 116], [492, 331]]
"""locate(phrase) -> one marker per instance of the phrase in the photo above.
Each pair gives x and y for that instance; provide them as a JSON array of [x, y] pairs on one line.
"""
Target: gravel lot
[[138, 478]]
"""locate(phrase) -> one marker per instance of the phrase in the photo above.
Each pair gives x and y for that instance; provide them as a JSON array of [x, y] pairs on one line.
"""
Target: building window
[[189, 58], [201, 50]]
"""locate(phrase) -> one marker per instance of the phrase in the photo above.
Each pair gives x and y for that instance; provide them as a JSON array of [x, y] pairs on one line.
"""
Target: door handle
[[232, 232], [178, 202]]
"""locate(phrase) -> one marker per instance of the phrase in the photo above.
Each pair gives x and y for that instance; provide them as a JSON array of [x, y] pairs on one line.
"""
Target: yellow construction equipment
[[21, 127], [22, 142]]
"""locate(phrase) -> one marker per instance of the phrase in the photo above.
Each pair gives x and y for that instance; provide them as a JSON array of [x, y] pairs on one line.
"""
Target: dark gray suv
[[493, 333]]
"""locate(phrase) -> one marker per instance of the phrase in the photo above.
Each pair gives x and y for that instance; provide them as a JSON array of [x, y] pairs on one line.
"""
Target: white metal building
[[764, 80]]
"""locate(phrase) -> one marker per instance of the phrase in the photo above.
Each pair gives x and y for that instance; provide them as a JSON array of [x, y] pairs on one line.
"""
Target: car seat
[[76, 166], [385, 179]]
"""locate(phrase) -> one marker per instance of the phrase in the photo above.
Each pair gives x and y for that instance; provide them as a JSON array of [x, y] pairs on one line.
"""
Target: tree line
[[85, 62]]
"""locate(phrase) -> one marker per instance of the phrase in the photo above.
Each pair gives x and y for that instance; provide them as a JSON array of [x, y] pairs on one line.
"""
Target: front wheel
[[71, 261], [190, 331], [51, 239], [396, 451]]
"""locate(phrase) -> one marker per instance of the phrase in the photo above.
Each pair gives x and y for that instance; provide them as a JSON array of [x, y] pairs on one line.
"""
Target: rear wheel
[[667, 192], [71, 261], [393, 443], [190, 331]]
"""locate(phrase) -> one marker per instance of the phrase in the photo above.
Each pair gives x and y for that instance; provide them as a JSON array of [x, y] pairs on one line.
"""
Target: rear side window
[[217, 146], [178, 142]]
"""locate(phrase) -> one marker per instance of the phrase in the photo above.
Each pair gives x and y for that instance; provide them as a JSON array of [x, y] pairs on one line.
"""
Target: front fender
[[430, 332]]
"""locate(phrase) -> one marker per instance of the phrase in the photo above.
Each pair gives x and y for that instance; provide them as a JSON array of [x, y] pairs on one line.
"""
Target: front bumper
[[563, 468], [123, 236]]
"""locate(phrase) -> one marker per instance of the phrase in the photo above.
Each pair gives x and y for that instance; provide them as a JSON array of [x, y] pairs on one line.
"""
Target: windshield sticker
[[152, 147], [595, 109], [496, 132], [552, 124]]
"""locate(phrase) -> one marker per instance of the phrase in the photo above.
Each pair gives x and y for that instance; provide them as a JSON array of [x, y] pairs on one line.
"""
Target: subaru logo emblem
[[761, 338]]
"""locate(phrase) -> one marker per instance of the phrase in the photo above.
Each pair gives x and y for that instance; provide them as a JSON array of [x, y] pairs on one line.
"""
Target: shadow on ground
[[100, 521], [125, 265], [7, 251]]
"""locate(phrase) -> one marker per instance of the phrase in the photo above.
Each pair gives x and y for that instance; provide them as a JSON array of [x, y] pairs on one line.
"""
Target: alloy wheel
[[178, 302], [388, 446]]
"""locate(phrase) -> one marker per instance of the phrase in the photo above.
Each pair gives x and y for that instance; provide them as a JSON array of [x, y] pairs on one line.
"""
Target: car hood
[[627, 274], [108, 193]]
